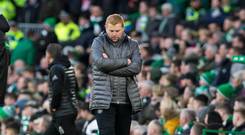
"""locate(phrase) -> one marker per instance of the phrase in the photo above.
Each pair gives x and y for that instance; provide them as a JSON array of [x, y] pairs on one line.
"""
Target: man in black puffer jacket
[[62, 92], [116, 62], [4, 58]]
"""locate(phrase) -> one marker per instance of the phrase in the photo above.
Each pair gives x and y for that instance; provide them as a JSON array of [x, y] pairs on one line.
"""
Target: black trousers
[[114, 121], [4, 62], [66, 122]]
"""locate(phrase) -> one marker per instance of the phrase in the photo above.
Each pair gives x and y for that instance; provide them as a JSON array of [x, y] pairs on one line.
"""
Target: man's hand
[[105, 56], [129, 61]]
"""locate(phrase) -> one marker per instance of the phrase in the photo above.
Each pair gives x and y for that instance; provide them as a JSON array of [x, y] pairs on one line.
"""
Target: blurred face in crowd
[[195, 4], [202, 82], [83, 21], [21, 83], [236, 42], [187, 93], [96, 11], [65, 19], [210, 53], [203, 35], [183, 119], [185, 35], [227, 24], [174, 69], [215, 3], [216, 37], [166, 11], [143, 9], [152, 11], [144, 90], [144, 53], [114, 32], [48, 57], [44, 63], [164, 81], [9, 100], [40, 125], [193, 132], [237, 24], [236, 80], [237, 118], [153, 129], [168, 43], [28, 111], [223, 51], [218, 59], [10, 131], [83, 114], [213, 27], [19, 65], [178, 29], [242, 14], [196, 105], [238, 105], [184, 68]]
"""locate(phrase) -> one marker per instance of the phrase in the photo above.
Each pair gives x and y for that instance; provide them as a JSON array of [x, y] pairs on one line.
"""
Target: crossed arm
[[118, 67]]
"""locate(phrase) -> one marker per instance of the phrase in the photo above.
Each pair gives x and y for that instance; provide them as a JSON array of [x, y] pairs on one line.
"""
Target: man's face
[[83, 114], [48, 57], [114, 32], [236, 118], [9, 101], [192, 131], [237, 105], [182, 119]]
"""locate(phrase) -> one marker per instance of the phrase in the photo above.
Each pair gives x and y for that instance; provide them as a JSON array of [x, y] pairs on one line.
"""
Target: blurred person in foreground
[[239, 120], [225, 110], [197, 129], [4, 58], [187, 117], [116, 62], [86, 123], [62, 92], [239, 115], [169, 115]]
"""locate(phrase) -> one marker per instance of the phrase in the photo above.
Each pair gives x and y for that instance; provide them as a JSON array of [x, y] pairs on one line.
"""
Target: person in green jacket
[[25, 50]]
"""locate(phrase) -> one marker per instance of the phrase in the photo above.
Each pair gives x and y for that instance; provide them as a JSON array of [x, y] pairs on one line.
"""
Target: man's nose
[[114, 33]]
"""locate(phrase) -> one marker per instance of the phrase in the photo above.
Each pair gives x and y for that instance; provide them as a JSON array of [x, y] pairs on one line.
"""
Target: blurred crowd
[[193, 52]]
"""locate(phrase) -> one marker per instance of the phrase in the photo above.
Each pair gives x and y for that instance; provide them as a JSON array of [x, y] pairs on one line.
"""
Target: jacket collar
[[62, 60], [121, 40]]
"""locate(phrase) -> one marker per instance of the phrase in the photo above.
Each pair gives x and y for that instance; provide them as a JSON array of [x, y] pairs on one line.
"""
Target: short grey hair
[[190, 114], [212, 48], [167, 6], [148, 84]]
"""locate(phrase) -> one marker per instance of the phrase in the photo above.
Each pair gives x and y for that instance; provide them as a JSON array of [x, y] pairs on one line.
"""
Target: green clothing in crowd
[[25, 51], [7, 8], [14, 37]]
